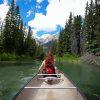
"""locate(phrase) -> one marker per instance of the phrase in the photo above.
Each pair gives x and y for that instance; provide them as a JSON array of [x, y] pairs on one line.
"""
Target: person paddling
[[48, 65]]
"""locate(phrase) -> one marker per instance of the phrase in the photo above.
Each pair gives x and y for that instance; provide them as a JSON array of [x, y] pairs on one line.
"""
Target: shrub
[[7, 56]]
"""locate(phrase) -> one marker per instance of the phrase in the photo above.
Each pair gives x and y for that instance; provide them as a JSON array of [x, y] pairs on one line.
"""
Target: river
[[86, 77], [14, 75]]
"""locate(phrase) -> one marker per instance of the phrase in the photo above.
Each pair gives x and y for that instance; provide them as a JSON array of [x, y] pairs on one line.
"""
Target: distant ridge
[[47, 41]]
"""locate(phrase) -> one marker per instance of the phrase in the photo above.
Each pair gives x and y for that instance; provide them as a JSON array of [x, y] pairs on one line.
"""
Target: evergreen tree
[[89, 27], [19, 34], [68, 34], [30, 44], [8, 40], [1, 29], [70, 31], [77, 31], [54, 47], [67, 38], [39, 52], [85, 28], [96, 40], [60, 49]]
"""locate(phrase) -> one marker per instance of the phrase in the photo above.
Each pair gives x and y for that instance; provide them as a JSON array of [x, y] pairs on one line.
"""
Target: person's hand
[[38, 71]]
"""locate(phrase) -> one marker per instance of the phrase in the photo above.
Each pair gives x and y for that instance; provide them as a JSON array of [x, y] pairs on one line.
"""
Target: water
[[13, 76], [86, 77]]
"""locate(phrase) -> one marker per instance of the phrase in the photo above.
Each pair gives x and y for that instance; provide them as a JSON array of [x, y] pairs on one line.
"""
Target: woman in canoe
[[48, 65]]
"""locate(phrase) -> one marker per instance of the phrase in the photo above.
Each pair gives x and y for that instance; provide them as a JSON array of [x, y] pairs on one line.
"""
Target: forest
[[80, 35], [16, 38]]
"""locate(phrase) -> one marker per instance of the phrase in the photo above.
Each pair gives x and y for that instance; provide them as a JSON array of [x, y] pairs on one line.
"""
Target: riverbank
[[86, 58], [91, 59]]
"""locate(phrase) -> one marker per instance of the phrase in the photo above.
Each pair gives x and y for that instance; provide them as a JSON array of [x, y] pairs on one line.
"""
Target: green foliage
[[69, 58], [79, 37], [60, 48], [54, 47], [14, 38], [77, 32], [7, 57], [8, 32], [39, 52], [30, 44], [92, 27], [69, 38]]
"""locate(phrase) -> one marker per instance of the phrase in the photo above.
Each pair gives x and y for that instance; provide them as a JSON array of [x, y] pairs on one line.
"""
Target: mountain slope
[[47, 41]]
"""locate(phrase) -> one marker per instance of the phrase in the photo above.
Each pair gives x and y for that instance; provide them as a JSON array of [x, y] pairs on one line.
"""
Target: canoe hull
[[38, 89]]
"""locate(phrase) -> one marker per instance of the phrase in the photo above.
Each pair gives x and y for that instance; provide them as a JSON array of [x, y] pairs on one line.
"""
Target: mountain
[[47, 40]]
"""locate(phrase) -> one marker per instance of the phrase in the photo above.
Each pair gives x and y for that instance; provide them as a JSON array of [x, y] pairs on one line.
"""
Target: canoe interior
[[59, 90]]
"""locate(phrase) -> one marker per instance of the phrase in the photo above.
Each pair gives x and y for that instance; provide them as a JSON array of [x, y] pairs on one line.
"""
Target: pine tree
[[19, 33], [69, 30], [85, 29], [90, 26], [96, 39], [30, 44], [8, 39], [77, 29], [60, 49], [54, 47], [39, 52]]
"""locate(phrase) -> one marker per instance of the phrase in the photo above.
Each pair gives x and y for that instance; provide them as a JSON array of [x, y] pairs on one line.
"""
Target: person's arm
[[41, 67], [57, 70]]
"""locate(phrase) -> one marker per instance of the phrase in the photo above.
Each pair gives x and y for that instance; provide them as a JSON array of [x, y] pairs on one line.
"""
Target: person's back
[[48, 67], [49, 64]]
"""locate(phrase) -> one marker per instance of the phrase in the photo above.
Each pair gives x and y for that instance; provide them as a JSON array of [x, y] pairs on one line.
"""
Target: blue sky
[[45, 16]]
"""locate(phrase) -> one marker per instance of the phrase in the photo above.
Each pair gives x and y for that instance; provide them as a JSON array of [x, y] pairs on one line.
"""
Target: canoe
[[61, 89]]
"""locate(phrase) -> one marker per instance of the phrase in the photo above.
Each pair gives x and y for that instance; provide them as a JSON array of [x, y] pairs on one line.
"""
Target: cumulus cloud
[[3, 9], [57, 13]]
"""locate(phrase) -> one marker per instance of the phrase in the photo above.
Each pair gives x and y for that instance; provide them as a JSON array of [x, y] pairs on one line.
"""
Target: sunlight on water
[[13, 77]]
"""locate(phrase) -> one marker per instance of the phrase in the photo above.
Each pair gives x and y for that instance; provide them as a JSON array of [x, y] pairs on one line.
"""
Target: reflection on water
[[14, 76], [86, 77]]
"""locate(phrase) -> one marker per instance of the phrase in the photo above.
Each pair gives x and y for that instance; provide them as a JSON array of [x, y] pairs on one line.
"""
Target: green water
[[86, 77], [14, 75]]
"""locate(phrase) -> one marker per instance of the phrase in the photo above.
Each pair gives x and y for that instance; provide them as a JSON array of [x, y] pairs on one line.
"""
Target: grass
[[69, 58]]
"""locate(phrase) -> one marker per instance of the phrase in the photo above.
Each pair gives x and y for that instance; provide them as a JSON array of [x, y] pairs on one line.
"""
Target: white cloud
[[45, 35], [4, 9], [34, 33], [49, 0], [44, 29], [57, 13], [29, 13], [39, 1]]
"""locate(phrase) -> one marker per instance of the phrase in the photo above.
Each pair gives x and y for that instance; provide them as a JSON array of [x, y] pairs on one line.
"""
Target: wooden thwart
[[50, 87], [48, 74]]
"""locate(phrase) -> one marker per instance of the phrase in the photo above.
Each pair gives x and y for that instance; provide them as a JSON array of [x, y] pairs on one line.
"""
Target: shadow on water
[[14, 75], [86, 77]]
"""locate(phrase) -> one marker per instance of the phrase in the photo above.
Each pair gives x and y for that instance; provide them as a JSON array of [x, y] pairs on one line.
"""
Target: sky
[[46, 17]]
